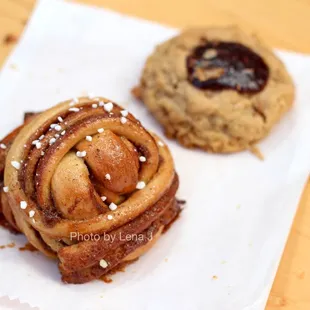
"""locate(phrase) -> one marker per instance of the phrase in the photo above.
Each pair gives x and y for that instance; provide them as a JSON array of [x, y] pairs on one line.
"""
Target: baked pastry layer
[[87, 185], [218, 89]]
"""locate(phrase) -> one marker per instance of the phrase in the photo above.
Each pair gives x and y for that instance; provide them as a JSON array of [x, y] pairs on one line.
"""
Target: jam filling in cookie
[[227, 65]]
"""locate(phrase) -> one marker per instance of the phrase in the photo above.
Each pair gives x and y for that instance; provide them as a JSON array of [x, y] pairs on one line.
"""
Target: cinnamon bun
[[88, 185]]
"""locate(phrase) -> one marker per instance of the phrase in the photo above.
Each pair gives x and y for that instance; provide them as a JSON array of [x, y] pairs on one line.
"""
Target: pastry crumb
[[28, 247], [106, 279], [9, 245], [137, 92]]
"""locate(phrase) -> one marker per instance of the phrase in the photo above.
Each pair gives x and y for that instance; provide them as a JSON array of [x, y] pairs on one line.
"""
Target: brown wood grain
[[282, 23]]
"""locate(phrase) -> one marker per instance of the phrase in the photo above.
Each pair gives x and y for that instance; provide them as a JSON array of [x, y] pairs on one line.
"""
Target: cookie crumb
[[256, 152], [137, 92]]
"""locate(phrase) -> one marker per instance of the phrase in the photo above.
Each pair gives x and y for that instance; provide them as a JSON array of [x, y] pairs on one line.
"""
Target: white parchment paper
[[222, 254]]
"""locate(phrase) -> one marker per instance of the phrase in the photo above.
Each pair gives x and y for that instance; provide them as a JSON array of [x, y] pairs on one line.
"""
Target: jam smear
[[226, 65]]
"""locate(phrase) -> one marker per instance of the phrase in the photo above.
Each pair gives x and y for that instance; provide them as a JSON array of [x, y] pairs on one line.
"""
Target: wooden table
[[284, 24]]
